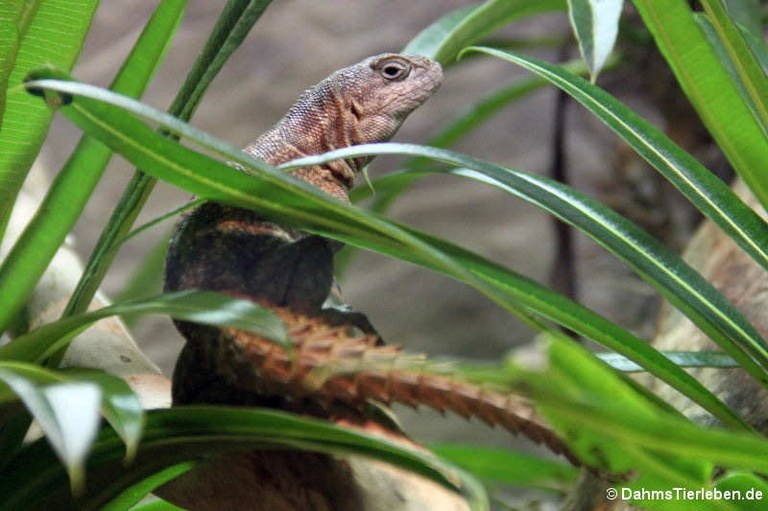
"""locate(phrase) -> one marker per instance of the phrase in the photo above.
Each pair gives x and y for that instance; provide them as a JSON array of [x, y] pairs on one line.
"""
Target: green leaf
[[286, 199], [31, 372], [680, 358], [157, 505], [595, 24], [705, 80], [508, 467], [52, 34], [444, 39], [162, 218], [614, 427], [121, 407], [705, 191], [15, 17], [747, 488], [747, 13], [137, 492], [656, 264], [188, 433], [595, 394], [68, 414], [235, 21], [751, 75], [68, 194], [147, 277], [197, 306], [232, 26], [428, 41], [391, 186]]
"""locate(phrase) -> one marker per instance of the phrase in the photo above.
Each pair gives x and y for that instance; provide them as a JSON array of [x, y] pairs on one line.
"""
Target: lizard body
[[228, 249]]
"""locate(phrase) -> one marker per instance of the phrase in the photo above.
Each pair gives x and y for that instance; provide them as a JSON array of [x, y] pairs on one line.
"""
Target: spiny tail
[[331, 364]]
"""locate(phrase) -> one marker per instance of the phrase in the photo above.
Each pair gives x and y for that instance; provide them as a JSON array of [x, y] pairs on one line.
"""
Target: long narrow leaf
[[235, 21], [139, 491], [708, 86], [15, 18], [596, 24], [156, 505], [121, 407], [682, 285], [68, 414], [705, 191], [750, 73], [233, 25], [187, 433], [681, 358], [54, 35], [66, 198], [198, 306], [508, 467], [282, 197], [613, 426], [444, 39]]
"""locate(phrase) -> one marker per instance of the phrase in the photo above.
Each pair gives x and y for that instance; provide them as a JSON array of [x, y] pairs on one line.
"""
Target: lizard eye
[[394, 70]]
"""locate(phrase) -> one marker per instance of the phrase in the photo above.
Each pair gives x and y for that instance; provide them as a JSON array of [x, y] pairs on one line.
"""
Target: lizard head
[[360, 104], [379, 93]]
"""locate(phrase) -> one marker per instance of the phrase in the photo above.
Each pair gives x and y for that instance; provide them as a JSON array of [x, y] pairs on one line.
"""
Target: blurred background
[[299, 42]]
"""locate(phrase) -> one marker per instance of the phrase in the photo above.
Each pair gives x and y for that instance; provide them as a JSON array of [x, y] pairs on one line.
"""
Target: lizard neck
[[321, 120]]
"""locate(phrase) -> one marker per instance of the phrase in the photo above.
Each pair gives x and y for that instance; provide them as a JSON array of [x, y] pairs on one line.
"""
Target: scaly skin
[[228, 249], [232, 250]]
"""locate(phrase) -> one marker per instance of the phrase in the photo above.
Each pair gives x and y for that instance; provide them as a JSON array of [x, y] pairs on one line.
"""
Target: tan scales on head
[[361, 104]]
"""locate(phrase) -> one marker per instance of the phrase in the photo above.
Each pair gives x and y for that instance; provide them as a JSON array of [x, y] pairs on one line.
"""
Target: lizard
[[232, 250]]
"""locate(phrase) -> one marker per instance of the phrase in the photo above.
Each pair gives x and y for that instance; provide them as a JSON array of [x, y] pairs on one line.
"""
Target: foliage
[[610, 423]]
